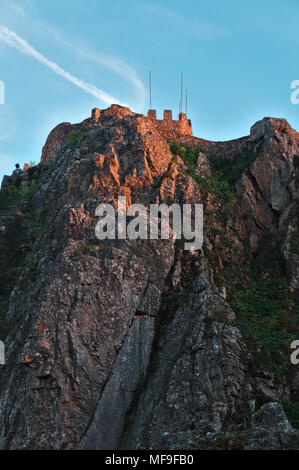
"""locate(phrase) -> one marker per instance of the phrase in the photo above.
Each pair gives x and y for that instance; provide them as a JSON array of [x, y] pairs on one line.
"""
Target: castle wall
[[171, 128]]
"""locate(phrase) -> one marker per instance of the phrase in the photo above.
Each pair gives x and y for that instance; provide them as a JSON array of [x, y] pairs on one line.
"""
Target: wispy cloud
[[15, 14], [13, 40], [117, 65], [201, 29], [122, 69]]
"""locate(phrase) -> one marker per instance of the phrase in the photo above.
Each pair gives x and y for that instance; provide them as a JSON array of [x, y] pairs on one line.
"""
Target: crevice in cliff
[[171, 301], [258, 190], [106, 382]]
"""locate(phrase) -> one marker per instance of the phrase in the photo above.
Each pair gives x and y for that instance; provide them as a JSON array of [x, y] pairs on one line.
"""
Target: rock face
[[134, 343], [56, 139]]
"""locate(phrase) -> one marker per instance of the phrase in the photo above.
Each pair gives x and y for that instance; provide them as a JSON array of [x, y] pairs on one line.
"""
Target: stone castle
[[168, 126]]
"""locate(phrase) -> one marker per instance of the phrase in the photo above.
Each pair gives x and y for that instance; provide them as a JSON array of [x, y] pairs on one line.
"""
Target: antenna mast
[[186, 101], [181, 101], [150, 87]]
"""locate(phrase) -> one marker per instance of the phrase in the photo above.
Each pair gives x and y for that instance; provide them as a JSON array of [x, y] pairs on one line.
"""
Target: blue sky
[[238, 58]]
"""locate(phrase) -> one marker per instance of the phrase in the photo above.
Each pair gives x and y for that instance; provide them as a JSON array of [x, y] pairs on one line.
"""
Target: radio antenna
[[186, 101], [150, 87], [181, 104]]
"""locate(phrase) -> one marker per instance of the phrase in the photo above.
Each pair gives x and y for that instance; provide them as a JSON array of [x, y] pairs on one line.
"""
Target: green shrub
[[74, 138], [9, 196], [221, 188], [13, 196], [231, 171], [264, 318], [11, 254], [215, 184], [188, 153]]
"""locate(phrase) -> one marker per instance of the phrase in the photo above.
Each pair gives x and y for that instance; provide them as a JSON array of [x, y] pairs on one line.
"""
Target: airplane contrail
[[13, 40], [122, 69]]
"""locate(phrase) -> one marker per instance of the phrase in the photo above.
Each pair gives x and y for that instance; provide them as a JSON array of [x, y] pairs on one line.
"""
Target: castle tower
[[171, 128], [167, 116], [152, 114]]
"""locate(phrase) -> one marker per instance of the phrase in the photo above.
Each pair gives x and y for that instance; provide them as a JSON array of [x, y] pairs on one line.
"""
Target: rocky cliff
[[140, 344]]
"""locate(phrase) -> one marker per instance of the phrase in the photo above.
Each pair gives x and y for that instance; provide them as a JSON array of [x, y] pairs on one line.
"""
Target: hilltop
[[140, 344]]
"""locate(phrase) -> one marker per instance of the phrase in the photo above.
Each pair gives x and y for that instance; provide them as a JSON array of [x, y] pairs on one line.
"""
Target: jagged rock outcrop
[[56, 139], [134, 343]]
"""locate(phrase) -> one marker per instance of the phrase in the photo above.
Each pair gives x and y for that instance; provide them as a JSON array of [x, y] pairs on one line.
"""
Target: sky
[[59, 59]]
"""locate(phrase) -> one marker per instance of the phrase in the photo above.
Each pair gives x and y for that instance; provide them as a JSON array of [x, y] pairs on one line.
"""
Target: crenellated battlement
[[171, 127]]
